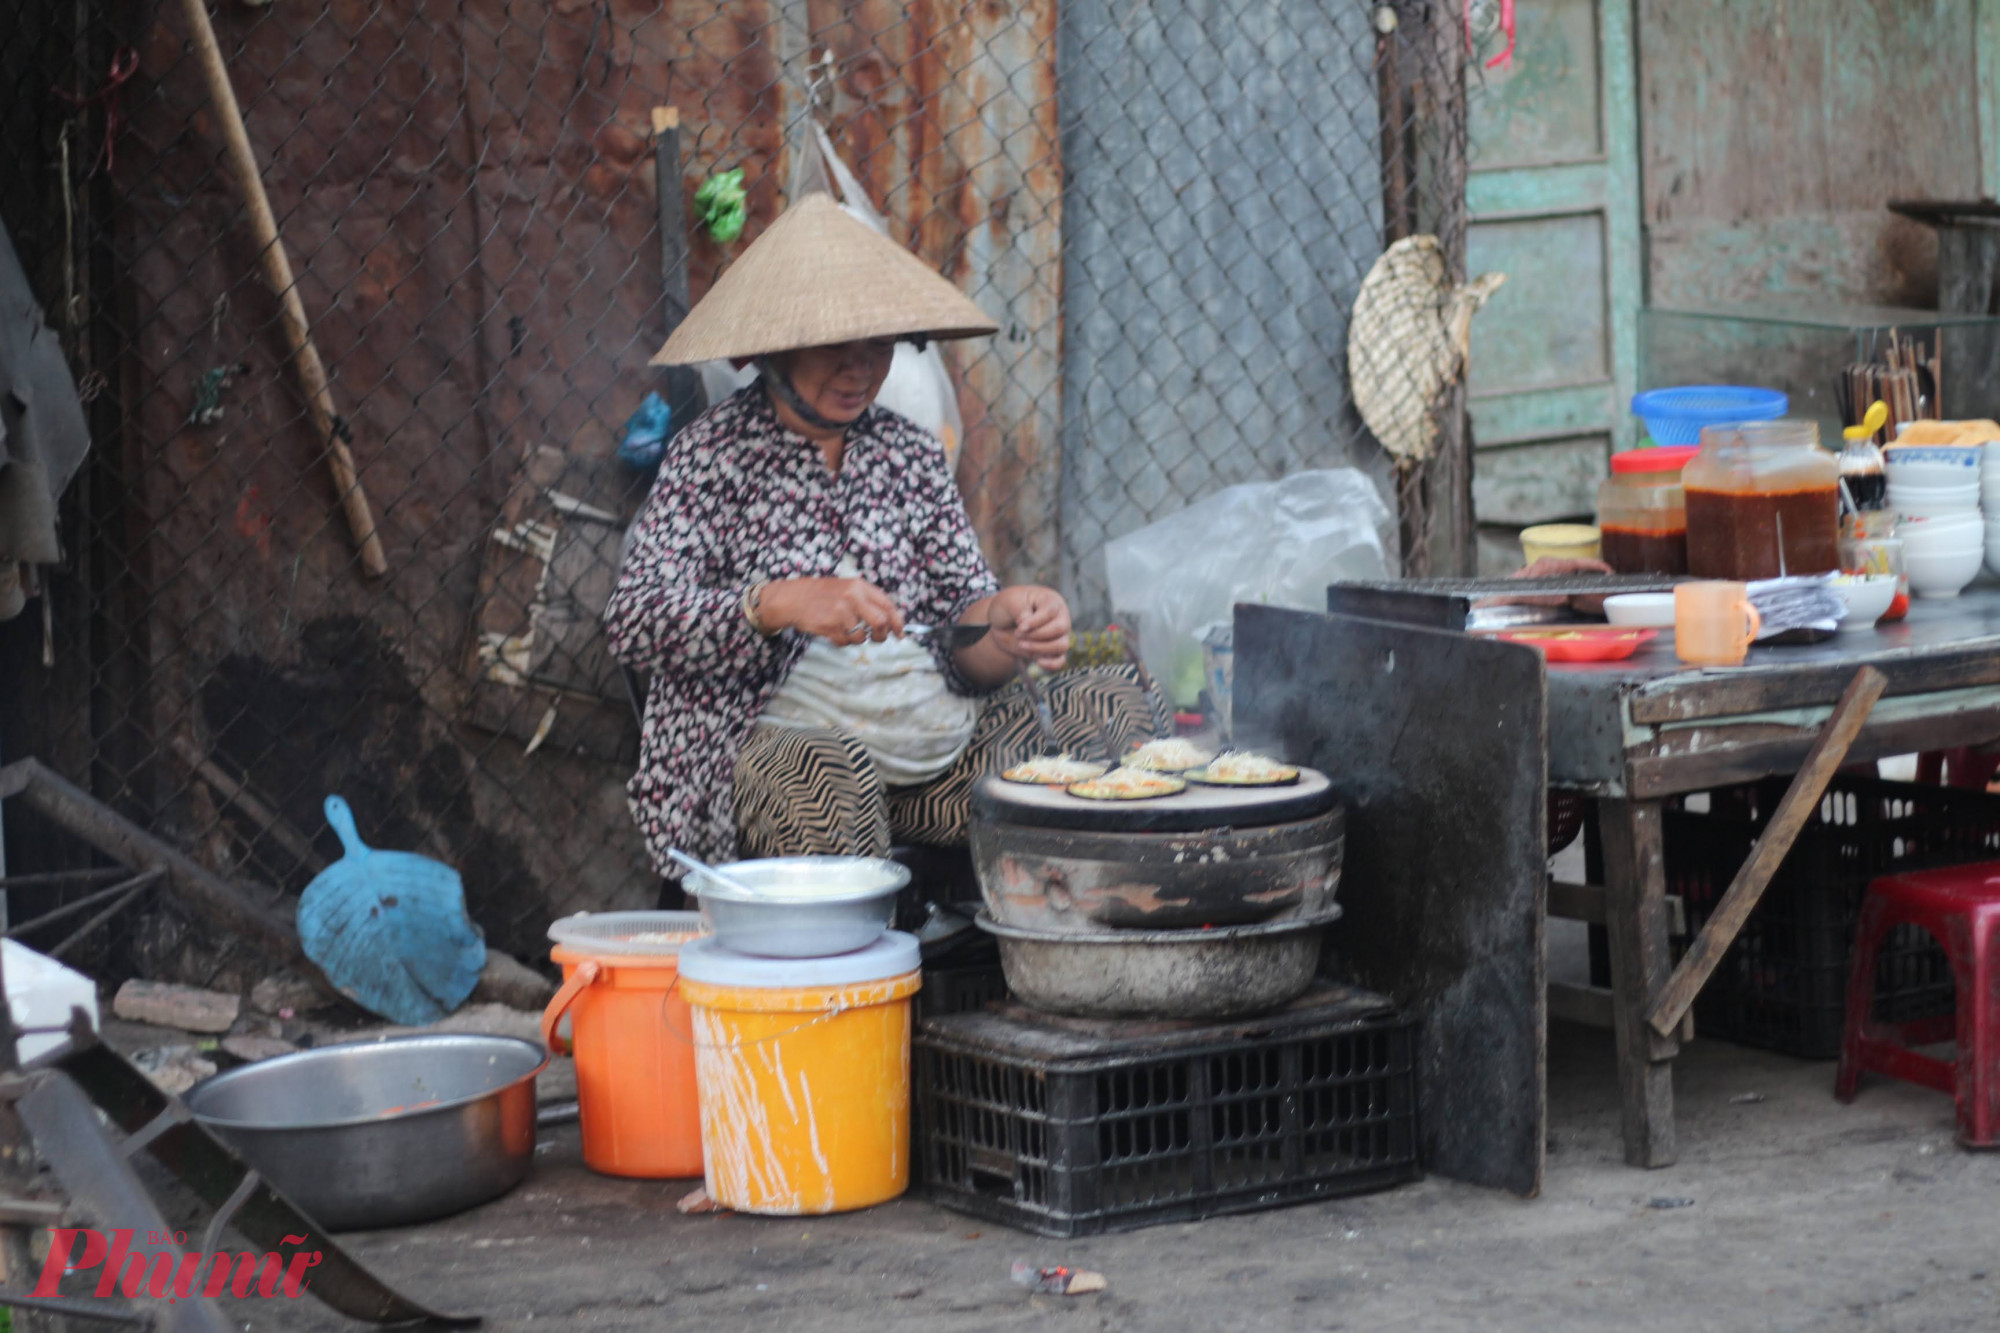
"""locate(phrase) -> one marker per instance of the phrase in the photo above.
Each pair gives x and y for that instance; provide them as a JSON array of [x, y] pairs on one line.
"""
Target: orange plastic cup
[[635, 1076], [1714, 623]]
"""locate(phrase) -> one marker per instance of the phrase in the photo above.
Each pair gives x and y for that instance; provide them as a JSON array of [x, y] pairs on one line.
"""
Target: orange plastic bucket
[[635, 1076], [804, 1068]]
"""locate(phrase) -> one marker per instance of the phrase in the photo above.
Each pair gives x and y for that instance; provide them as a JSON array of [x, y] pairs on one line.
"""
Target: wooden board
[[1190, 811], [1776, 129]]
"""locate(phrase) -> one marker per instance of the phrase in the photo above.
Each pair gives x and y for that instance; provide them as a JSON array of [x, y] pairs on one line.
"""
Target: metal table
[[1634, 733], [1440, 743]]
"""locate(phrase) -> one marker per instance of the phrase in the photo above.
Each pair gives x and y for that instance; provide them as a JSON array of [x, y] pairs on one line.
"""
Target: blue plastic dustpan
[[389, 929]]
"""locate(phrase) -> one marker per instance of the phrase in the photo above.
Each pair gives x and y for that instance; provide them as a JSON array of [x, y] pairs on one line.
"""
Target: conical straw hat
[[819, 276]]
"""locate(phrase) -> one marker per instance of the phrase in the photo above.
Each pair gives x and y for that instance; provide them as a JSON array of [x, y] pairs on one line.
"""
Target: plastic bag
[[1277, 542], [919, 386]]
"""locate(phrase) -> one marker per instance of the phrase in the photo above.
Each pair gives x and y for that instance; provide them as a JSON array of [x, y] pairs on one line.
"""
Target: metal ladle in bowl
[[733, 885]]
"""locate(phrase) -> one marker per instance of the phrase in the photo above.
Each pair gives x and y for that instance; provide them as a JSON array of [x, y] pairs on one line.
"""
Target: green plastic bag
[[724, 205]]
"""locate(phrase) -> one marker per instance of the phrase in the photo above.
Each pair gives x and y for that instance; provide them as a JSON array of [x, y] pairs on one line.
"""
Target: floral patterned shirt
[[739, 497]]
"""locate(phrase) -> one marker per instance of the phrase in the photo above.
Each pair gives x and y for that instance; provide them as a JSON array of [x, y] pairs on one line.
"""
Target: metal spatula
[[953, 637], [1045, 720]]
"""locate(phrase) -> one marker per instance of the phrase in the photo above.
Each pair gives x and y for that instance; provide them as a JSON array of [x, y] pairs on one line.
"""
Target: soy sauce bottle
[[1861, 466]]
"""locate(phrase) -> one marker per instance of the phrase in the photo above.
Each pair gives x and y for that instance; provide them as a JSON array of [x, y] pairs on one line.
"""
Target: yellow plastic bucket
[[635, 1079], [803, 1070]]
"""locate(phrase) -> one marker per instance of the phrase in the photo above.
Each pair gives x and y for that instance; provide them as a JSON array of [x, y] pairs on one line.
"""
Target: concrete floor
[[1799, 1214]]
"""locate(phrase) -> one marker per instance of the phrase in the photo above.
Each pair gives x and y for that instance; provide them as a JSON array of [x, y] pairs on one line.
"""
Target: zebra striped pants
[[813, 791]]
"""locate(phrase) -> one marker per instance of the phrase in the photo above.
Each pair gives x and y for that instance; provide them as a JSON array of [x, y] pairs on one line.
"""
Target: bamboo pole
[[278, 274]]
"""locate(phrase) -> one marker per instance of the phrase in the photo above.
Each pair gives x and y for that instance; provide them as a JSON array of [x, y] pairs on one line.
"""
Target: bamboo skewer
[[277, 267]]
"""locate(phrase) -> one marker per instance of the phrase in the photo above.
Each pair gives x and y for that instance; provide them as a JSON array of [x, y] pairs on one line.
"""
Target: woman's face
[[839, 381]]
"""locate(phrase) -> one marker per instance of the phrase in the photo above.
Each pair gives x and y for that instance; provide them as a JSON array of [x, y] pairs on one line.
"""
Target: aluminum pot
[[1054, 879], [801, 906], [383, 1133], [1224, 973]]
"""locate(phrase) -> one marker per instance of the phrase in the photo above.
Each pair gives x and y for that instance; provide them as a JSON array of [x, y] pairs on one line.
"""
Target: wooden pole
[[683, 384], [1800, 800], [278, 274]]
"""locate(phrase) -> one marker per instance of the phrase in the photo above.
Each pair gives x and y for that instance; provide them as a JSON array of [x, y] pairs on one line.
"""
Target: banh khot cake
[[1058, 770], [1239, 768], [1171, 755], [1127, 784]]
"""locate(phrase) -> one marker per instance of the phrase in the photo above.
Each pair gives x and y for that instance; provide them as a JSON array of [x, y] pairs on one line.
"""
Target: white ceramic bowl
[[1941, 575], [1990, 466], [1910, 508], [1650, 610], [1867, 597], [1934, 464], [1964, 490], [1971, 518], [1932, 489], [1941, 536]]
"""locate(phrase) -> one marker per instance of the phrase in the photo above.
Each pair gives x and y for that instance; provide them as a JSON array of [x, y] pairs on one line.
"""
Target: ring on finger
[[859, 630]]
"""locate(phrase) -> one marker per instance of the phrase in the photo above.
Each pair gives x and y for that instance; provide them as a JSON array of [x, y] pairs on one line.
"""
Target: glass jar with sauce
[[1642, 512], [1763, 499]]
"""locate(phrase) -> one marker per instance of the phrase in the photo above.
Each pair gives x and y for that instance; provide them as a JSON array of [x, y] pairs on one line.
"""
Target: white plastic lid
[[895, 954], [652, 934]]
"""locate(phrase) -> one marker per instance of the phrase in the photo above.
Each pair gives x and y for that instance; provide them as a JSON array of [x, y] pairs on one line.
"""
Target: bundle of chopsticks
[[1911, 384]]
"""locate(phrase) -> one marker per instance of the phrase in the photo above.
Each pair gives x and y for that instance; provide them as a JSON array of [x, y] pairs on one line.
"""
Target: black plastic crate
[[1069, 1127], [961, 986], [1783, 984]]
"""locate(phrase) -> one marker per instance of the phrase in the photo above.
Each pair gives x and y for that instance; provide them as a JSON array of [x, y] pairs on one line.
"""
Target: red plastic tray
[[1582, 643]]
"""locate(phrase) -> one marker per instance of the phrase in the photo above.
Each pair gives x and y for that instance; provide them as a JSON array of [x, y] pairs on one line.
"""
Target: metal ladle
[[734, 885]]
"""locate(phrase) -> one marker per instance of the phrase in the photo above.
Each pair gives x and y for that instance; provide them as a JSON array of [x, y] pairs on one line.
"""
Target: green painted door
[[1553, 195]]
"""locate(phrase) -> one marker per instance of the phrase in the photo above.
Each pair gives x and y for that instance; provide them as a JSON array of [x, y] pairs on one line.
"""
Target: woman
[[795, 531]]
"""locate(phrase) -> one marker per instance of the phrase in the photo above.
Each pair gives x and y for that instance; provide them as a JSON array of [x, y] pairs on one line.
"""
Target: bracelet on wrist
[[753, 597]]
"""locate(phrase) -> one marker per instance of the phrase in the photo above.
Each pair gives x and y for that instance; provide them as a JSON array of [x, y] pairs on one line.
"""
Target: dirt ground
[[1786, 1211]]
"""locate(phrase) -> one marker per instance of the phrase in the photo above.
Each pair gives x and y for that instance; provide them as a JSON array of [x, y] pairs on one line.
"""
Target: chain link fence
[[1168, 207]]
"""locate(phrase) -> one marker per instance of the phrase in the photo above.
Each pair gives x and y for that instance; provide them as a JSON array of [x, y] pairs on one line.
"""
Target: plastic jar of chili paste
[[1642, 511], [1762, 500]]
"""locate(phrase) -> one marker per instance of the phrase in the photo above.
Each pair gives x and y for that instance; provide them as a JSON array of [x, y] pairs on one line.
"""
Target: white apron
[[889, 696]]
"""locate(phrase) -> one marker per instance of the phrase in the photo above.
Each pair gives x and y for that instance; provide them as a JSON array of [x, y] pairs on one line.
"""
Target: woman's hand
[[1555, 566], [845, 611], [1552, 567], [1031, 624]]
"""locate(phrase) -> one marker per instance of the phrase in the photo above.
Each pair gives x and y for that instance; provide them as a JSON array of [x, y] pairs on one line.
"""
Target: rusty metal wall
[[468, 193]]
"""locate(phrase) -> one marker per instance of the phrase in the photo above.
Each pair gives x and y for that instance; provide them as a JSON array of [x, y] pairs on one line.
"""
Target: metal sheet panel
[[1224, 202], [1437, 743], [948, 113]]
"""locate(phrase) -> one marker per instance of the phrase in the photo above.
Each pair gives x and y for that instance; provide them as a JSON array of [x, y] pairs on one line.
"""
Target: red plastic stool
[[1965, 768], [1960, 906]]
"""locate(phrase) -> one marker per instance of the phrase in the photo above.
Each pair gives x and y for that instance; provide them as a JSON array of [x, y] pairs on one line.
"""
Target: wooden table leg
[[1635, 881]]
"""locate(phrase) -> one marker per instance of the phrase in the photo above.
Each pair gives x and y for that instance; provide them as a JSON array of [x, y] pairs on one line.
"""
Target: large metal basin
[[1052, 879], [1225, 973], [383, 1133]]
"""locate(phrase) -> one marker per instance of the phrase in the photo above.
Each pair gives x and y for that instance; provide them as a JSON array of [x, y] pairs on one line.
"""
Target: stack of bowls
[[1936, 488]]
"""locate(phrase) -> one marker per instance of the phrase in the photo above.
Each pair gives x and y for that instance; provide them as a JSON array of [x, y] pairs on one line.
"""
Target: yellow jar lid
[[1560, 534]]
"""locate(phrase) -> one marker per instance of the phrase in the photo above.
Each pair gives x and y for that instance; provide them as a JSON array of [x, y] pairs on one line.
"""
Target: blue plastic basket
[[1676, 416]]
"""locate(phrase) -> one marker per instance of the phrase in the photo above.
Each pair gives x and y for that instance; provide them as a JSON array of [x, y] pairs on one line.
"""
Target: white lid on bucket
[[653, 934], [895, 954]]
